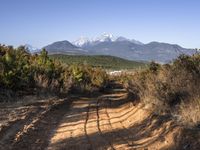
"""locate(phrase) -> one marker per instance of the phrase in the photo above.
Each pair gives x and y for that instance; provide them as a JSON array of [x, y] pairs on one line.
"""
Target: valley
[[105, 62]]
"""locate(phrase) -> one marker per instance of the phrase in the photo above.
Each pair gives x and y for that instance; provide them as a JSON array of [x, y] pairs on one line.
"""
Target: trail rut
[[109, 121]]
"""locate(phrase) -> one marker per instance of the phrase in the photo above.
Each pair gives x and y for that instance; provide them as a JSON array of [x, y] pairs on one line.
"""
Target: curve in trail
[[109, 121]]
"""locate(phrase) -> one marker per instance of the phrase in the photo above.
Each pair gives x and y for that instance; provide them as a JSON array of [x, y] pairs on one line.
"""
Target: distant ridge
[[130, 49], [64, 47]]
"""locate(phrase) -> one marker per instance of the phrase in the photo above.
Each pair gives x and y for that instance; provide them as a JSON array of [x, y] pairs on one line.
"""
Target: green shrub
[[21, 71], [87, 78]]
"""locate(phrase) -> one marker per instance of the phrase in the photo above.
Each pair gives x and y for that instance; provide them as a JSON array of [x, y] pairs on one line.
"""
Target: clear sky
[[40, 22]]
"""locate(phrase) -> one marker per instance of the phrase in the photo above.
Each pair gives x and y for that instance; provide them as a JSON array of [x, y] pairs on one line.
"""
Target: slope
[[107, 62]]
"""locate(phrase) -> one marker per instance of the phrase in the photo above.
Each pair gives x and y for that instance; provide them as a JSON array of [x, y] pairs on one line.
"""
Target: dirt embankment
[[108, 121]]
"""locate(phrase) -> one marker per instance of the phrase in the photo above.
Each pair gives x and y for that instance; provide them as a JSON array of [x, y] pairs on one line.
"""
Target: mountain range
[[122, 47]]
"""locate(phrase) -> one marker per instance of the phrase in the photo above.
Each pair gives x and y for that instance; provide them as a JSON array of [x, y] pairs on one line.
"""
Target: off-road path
[[107, 121]]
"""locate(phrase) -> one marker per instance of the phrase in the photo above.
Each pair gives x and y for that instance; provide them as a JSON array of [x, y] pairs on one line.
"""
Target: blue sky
[[40, 22]]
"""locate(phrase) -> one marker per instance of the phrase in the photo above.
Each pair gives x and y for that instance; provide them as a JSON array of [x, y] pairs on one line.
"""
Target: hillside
[[64, 47], [130, 49], [107, 62]]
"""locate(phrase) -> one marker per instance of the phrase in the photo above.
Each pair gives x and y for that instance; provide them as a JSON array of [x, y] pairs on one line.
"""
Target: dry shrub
[[41, 81], [45, 85], [123, 78], [166, 87], [190, 112]]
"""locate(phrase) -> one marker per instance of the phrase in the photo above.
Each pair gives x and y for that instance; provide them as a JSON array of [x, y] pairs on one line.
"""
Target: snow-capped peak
[[81, 41], [31, 48], [136, 42], [105, 37], [121, 38]]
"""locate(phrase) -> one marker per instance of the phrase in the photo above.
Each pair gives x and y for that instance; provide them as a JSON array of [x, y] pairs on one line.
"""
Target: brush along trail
[[108, 121]]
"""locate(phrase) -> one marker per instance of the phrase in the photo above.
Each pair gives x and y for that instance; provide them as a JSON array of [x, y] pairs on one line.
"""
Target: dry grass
[[171, 88], [190, 113]]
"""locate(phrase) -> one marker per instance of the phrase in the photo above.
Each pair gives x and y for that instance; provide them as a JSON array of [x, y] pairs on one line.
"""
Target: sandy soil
[[108, 121]]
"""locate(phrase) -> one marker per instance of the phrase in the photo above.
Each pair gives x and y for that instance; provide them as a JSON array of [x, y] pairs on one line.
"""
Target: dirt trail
[[109, 121]]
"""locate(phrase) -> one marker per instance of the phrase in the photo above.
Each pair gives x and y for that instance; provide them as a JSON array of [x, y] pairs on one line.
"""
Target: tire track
[[98, 125], [37, 136], [85, 126], [127, 131], [115, 133], [122, 137], [13, 132]]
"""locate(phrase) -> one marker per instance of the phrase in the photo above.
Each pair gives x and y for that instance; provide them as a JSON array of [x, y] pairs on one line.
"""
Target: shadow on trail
[[38, 135], [141, 135], [136, 136], [187, 139]]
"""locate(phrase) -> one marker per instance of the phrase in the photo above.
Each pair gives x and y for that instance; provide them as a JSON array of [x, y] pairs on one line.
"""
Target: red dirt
[[108, 121]]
